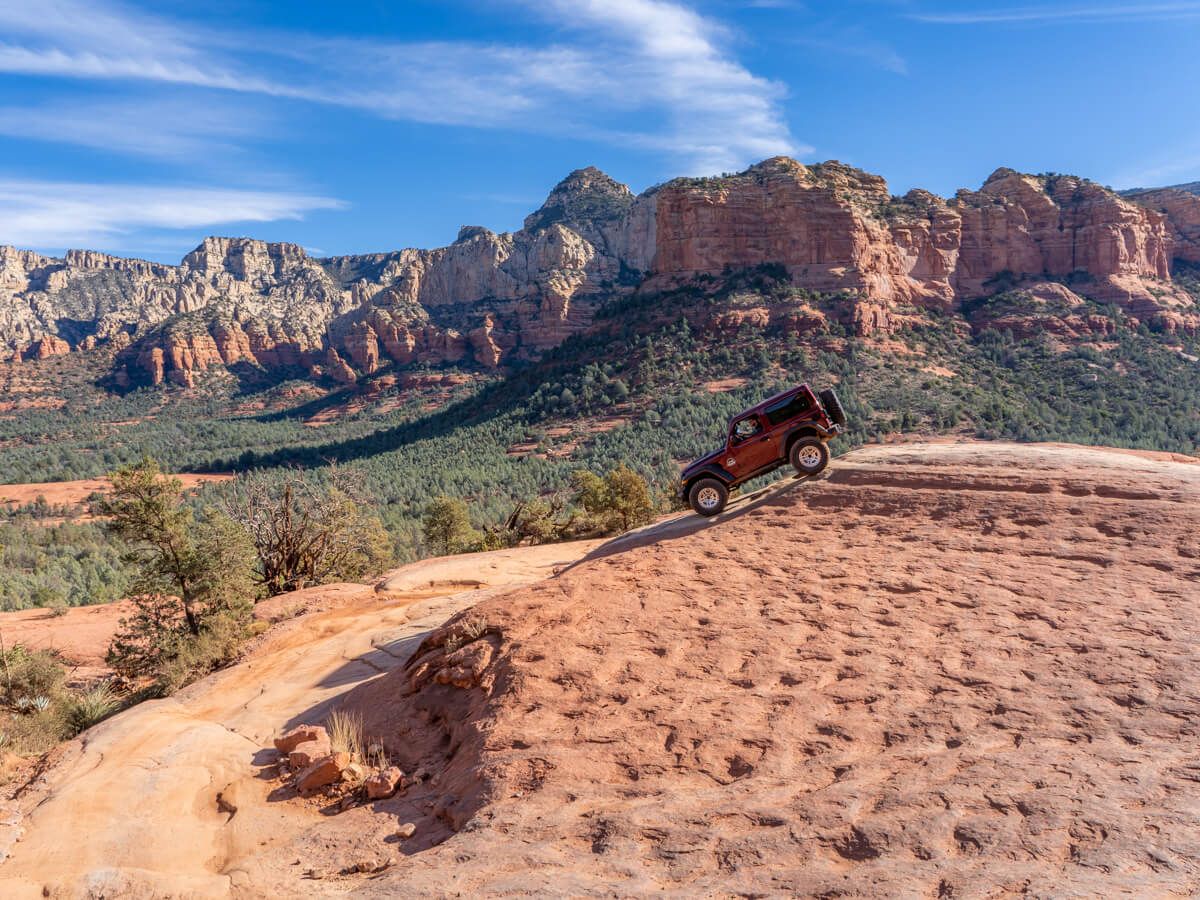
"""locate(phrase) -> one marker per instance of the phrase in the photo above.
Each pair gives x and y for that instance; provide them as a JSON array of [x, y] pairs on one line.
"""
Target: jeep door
[[753, 445]]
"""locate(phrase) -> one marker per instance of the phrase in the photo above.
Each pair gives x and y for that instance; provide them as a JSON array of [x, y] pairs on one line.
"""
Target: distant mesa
[[490, 298]]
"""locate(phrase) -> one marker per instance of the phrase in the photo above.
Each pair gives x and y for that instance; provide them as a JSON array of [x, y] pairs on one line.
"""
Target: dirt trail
[[131, 809]]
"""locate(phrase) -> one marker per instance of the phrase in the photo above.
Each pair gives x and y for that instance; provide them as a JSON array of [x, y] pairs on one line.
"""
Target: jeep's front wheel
[[708, 496], [809, 455]]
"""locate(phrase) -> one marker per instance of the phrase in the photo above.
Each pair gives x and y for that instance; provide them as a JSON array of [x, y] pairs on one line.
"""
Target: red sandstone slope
[[948, 670]]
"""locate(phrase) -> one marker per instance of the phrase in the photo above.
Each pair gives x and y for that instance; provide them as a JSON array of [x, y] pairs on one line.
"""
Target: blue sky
[[138, 128]]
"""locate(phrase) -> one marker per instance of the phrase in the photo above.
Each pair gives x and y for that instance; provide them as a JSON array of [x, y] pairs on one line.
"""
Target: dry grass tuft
[[346, 733]]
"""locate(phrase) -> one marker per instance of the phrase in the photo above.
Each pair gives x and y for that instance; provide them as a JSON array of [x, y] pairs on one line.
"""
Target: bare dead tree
[[307, 532]]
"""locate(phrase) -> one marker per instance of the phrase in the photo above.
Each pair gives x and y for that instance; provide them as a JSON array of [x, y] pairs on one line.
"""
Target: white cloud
[[149, 127], [47, 214], [664, 56], [1049, 14], [632, 62]]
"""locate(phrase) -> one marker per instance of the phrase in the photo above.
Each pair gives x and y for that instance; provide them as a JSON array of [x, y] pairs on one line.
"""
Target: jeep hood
[[693, 467]]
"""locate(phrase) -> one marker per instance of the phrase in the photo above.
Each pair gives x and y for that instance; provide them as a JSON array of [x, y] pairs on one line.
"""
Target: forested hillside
[[651, 384], [611, 329]]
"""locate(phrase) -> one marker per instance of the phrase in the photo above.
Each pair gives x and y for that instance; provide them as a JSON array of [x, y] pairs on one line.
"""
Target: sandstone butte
[[490, 297], [948, 669]]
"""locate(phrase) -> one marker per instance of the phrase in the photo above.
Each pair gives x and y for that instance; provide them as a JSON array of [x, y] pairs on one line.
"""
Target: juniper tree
[[194, 573]]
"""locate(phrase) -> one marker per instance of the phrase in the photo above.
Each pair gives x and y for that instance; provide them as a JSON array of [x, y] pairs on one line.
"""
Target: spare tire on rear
[[833, 406]]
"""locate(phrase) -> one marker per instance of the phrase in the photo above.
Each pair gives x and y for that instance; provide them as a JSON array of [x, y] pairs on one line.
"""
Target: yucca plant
[[93, 705]]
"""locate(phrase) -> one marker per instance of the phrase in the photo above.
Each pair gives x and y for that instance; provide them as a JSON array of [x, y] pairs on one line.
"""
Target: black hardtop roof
[[759, 407]]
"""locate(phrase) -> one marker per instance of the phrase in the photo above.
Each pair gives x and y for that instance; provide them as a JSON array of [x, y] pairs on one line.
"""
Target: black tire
[[809, 455], [708, 496], [833, 406]]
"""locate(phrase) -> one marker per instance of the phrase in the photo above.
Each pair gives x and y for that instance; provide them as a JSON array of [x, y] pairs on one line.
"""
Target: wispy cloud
[[663, 56], [633, 61], [155, 128], [1181, 165], [873, 52], [1048, 14], [54, 215]]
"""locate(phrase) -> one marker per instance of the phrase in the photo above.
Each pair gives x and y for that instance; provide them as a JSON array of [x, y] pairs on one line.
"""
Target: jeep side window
[[747, 427], [788, 408]]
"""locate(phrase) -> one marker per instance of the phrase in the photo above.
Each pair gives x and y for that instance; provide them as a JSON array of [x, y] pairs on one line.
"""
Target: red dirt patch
[[75, 493], [81, 634]]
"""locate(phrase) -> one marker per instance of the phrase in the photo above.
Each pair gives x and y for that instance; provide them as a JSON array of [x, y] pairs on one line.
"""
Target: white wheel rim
[[708, 498], [810, 456]]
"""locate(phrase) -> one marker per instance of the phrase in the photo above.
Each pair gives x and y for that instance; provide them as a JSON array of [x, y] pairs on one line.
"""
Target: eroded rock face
[[1065, 226], [488, 298], [830, 225], [49, 346], [1182, 209], [836, 228]]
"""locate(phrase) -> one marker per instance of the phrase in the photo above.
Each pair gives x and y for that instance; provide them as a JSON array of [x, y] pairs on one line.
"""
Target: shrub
[[447, 527], [36, 732], [307, 533], [30, 675], [195, 580], [616, 503], [190, 658]]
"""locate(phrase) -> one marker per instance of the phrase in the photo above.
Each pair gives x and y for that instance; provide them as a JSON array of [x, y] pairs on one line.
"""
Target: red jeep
[[789, 427]]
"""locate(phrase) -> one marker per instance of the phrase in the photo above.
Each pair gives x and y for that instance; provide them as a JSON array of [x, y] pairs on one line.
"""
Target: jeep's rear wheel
[[833, 406], [708, 496], [809, 455]]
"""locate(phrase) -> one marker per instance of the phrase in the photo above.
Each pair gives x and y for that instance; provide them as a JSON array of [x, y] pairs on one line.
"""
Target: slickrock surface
[[170, 798], [955, 670]]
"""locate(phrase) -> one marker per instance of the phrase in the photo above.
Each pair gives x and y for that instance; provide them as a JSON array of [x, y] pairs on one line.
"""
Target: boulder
[[325, 771], [289, 740], [384, 783], [308, 752]]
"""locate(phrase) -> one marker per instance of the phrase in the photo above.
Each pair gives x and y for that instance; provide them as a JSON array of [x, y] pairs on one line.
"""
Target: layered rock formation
[[1182, 209], [836, 228], [490, 297], [822, 222]]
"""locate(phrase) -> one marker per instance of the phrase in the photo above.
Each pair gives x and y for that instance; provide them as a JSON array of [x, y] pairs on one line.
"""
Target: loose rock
[[354, 773], [385, 783], [324, 771], [290, 740], [407, 830], [308, 753]]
